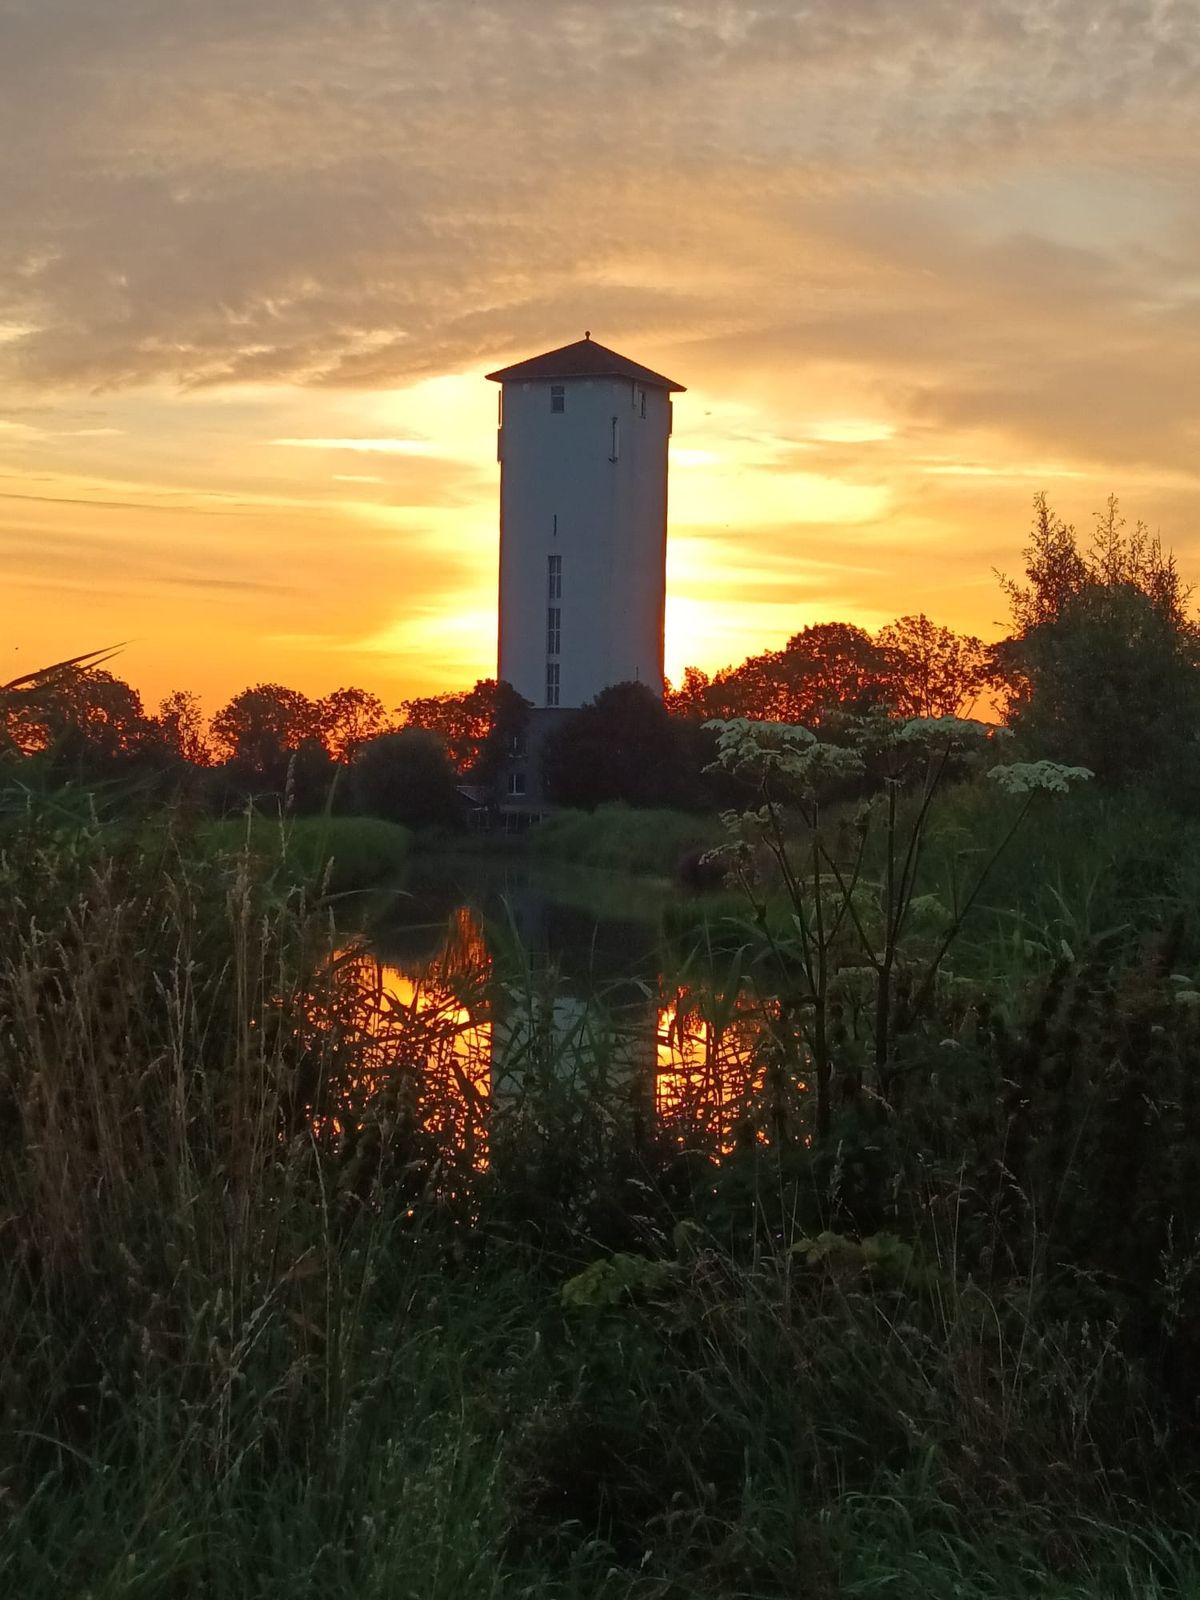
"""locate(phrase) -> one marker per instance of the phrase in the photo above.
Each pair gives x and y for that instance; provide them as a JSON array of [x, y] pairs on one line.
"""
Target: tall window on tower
[[554, 577], [553, 631], [558, 397], [552, 683]]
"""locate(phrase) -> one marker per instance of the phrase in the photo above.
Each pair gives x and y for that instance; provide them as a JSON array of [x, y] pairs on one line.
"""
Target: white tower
[[583, 523]]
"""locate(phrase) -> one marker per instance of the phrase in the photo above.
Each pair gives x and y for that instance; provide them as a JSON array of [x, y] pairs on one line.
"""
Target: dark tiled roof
[[583, 359]]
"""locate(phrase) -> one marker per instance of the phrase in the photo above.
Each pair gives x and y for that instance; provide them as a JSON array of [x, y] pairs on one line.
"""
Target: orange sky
[[912, 262]]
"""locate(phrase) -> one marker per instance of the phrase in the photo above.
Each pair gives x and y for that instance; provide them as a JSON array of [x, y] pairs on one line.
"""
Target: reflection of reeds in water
[[713, 1067], [427, 1044], [474, 1058]]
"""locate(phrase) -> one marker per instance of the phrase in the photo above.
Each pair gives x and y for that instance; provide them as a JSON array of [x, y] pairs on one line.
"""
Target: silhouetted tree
[[831, 666], [84, 721], [932, 671], [622, 746], [180, 728], [465, 721], [349, 717], [1103, 667], [406, 777], [261, 726], [691, 697]]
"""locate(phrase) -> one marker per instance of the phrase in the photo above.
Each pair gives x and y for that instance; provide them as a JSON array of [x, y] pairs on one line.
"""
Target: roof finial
[[587, 333]]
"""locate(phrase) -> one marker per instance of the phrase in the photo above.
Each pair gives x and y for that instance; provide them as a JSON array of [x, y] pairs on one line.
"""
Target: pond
[[542, 977]]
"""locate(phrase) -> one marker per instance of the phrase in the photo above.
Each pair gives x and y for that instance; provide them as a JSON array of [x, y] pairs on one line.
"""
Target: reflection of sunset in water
[[437, 1023], [470, 1049], [709, 1064]]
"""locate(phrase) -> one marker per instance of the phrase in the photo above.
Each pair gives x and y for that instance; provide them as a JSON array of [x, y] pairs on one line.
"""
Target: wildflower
[[785, 750], [745, 745], [960, 731], [1023, 777]]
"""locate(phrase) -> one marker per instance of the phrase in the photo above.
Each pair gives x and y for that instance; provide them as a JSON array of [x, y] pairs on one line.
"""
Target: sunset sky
[[913, 259]]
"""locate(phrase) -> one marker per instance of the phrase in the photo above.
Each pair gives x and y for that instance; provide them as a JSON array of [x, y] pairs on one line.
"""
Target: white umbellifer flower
[[958, 730], [785, 750], [1023, 777]]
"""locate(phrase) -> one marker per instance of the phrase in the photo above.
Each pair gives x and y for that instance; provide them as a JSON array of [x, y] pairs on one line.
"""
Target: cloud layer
[[914, 262]]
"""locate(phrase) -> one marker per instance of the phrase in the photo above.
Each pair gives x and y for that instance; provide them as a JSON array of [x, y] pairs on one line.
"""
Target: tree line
[[1101, 666]]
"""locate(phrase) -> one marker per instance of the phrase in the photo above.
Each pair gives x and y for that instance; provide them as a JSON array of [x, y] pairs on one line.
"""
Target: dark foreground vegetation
[[289, 1310], [887, 1284]]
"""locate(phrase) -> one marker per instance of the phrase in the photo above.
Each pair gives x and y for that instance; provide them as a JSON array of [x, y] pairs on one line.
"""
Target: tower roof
[[583, 359]]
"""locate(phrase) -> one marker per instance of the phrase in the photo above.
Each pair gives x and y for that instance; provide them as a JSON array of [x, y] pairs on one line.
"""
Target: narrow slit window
[[558, 397], [616, 439], [552, 683], [554, 577], [553, 631]]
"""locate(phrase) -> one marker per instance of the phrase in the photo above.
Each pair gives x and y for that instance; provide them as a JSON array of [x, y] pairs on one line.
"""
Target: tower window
[[552, 683], [639, 401], [553, 631], [554, 577], [558, 397], [516, 783], [616, 439]]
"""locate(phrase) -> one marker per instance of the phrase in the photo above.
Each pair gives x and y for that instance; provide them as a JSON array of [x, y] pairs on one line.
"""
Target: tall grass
[[279, 1320]]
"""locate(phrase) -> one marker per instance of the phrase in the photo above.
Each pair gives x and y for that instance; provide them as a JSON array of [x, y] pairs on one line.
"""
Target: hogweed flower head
[[1026, 777], [783, 750], [960, 732]]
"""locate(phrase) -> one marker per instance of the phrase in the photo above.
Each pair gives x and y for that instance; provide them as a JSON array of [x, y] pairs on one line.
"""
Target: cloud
[[356, 193], [904, 256], [388, 447]]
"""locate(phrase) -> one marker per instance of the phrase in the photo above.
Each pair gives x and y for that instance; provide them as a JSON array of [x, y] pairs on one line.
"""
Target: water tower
[[583, 525]]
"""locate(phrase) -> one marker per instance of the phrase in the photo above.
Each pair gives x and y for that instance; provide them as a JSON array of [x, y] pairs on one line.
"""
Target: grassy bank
[[341, 854], [291, 1311], [623, 839]]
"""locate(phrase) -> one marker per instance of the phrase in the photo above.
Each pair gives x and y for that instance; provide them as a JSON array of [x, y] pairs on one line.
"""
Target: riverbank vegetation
[[293, 1310], [623, 838], [335, 855]]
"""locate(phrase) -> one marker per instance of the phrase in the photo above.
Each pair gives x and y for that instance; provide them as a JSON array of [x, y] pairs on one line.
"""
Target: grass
[[287, 1313], [619, 837], [343, 854]]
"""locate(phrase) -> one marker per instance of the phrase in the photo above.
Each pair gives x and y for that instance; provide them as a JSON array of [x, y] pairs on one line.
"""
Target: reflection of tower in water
[[688, 1061], [548, 1041]]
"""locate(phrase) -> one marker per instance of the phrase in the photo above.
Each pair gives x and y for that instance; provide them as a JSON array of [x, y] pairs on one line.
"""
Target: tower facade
[[583, 523]]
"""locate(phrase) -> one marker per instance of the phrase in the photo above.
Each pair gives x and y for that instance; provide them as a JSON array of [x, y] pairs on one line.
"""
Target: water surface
[[540, 973]]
